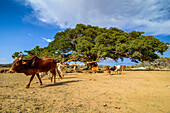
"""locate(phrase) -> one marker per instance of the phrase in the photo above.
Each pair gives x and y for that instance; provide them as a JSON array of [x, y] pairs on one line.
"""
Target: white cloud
[[48, 40], [150, 16]]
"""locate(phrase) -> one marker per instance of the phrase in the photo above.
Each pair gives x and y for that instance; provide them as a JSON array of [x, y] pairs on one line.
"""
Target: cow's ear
[[24, 62]]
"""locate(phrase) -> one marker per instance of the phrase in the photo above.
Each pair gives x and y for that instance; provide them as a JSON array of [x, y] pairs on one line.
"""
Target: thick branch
[[127, 54], [76, 60]]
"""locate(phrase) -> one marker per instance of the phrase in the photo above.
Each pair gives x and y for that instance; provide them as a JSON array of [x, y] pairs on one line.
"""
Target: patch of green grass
[[85, 98], [37, 108], [66, 94], [120, 98], [93, 99], [160, 110], [24, 109], [18, 107], [48, 110], [154, 105]]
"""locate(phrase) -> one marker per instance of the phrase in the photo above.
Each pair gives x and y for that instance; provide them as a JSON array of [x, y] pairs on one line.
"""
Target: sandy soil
[[132, 91]]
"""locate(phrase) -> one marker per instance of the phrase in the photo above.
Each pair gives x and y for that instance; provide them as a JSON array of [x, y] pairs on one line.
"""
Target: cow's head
[[17, 65]]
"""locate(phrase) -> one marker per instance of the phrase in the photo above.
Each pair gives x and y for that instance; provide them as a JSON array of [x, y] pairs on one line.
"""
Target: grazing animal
[[33, 66], [123, 68], [75, 68], [60, 68], [107, 69], [90, 67], [95, 69], [115, 68]]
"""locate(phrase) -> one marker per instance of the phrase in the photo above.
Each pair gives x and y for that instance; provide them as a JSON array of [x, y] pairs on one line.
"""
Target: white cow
[[61, 67], [116, 68], [75, 68]]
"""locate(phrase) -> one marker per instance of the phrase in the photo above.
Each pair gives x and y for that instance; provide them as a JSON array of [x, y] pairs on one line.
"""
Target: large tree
[[88, 43]]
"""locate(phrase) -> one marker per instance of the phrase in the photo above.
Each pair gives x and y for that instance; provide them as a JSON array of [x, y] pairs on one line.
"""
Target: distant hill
[[5, 65]]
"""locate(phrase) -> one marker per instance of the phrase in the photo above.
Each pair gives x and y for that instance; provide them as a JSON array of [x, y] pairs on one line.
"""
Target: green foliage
[[91, 43], [17, 54]]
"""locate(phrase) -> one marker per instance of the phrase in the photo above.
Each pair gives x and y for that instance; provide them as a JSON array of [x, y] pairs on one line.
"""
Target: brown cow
[[108, 70], [123, 68], [90, 67], [33, 66], [94, 69]]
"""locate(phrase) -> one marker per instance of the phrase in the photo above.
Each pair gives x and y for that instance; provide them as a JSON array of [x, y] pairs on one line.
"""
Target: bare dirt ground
[[132, 91]]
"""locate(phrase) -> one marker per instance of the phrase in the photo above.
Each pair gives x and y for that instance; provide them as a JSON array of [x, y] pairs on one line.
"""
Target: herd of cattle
[[42, 66]]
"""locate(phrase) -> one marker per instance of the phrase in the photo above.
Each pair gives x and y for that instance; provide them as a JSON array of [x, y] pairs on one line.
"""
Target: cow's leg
[[109, 71], [122, 70], [116, 71], [30, 81], [39, 79], [53, 75], [119, 72]]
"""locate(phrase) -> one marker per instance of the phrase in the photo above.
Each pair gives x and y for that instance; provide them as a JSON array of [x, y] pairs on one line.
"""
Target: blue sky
[[25, 24]]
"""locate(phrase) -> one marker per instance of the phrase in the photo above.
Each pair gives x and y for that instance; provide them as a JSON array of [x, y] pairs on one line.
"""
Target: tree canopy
[[88, 43]]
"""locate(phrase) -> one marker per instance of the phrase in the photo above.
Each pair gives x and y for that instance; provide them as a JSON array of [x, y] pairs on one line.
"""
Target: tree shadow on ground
[[60, 83], [63, 78], [118, 74]]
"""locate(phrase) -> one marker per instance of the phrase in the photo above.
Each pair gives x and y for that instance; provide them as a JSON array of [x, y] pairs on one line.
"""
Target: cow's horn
[[14, 57], [21, 57]]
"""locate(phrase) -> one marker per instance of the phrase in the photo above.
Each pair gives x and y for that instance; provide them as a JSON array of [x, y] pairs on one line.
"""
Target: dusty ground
[[133, 91]]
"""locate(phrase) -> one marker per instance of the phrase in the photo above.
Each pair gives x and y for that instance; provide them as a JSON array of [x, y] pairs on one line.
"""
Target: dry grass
[[132, 91]]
